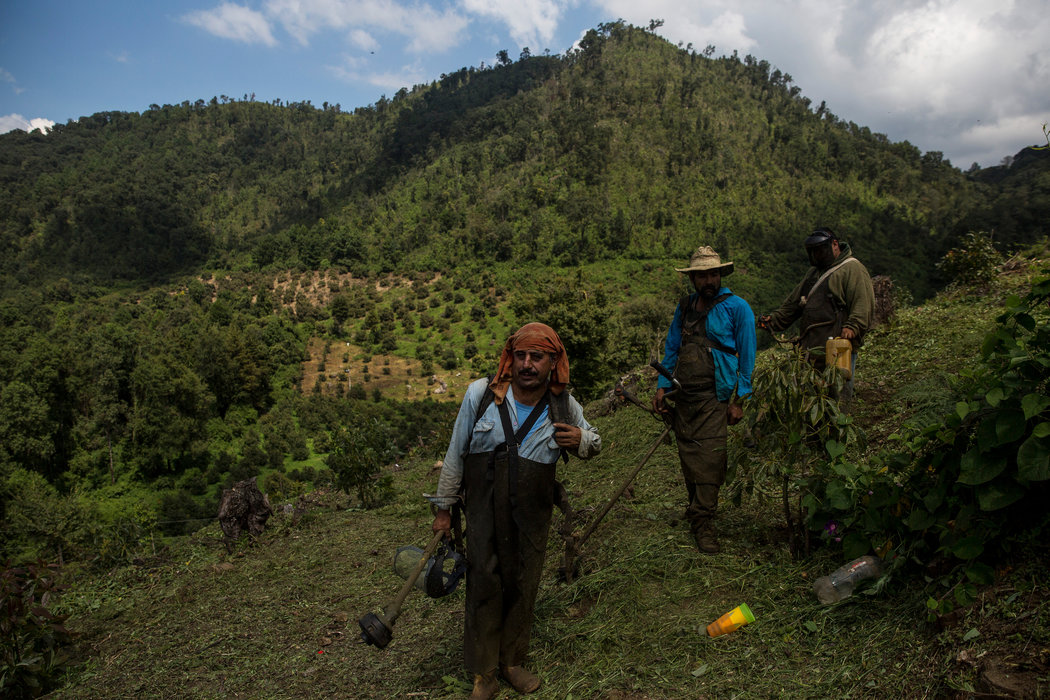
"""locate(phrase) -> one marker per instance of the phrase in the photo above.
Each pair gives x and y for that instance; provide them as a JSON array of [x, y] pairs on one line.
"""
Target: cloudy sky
[[969, 78]]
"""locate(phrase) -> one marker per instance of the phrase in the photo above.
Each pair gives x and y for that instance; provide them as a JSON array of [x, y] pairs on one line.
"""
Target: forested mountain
[[164, 272], [628, 148]]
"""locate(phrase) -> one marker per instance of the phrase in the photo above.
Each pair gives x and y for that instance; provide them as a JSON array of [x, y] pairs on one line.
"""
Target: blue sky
[[970, 78]]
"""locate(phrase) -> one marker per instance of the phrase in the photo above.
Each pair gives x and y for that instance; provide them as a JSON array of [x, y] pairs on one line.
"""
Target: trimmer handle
[[666, 375]]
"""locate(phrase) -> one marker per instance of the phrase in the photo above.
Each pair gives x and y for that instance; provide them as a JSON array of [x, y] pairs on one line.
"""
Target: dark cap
[[820, 237]]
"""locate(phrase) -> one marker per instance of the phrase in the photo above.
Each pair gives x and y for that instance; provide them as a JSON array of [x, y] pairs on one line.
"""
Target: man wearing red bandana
[[501, 463]]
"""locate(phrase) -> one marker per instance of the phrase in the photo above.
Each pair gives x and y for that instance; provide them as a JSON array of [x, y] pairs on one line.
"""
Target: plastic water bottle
[[840, 583]]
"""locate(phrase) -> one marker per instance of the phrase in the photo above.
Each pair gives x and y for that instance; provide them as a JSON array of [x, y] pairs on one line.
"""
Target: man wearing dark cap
[[710, 350], [835, 299], [501, 460]]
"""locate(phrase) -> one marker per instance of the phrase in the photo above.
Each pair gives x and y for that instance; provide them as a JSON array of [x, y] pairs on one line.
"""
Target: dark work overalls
[[508, 502], [699, 417], [822, 318]]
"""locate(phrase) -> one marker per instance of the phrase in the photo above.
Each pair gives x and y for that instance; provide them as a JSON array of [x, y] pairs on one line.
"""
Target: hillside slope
[[278, 619], [628, 148]]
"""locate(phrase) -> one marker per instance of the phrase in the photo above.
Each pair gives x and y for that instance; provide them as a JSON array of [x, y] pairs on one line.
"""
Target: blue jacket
[[731, 323]]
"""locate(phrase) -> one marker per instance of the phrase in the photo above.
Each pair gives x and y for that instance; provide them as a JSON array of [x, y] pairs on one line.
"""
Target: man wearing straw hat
[[710, 350], [508, 437]]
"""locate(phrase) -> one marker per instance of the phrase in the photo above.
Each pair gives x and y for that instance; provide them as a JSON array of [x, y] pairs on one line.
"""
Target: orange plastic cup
[[734, 619]]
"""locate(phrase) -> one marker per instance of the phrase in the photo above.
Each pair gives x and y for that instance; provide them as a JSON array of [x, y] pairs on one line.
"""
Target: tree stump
[[885, 304], [243, 508]]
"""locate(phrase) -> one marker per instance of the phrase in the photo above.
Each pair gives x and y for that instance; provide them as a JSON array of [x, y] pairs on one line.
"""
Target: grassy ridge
[[279, 619]]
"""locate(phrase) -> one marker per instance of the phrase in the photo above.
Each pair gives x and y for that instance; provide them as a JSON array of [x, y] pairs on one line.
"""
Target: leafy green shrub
[[180, 513], [41, 523], [31, 636], [193, 480], [323, 440], [300, 451], [799, 430], [449, 360], [958, 491], [126, 530], [279, 487], [974, 262], [357, 457]]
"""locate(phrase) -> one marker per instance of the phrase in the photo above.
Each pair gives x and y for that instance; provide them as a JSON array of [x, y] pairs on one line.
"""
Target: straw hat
[[705, 258]]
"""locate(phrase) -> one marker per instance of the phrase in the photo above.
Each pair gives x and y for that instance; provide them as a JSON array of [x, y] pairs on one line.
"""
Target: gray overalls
[[508, 502], [699, 418]]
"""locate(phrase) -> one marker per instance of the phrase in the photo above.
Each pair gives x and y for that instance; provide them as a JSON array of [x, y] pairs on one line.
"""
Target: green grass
[[278, 619]]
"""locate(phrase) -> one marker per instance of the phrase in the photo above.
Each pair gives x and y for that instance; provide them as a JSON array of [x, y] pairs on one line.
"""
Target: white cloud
[[354, 70], [11, 122], [6, 77], [427, 29], [363, 40], [230, 21], [531, 23], [925, 71], [987, 144]]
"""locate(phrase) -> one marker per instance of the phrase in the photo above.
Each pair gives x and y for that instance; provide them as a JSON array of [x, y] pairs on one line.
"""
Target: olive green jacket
[[850, 286]]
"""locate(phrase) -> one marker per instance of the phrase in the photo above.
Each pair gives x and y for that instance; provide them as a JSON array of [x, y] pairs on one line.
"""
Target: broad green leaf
[[978, 467], [834, 448], [855, 544], [1041, 430], [1033, 459], [1009, 426], [965, 594], [1033, 405], [837, 496], [986, 438], [933, 499], [920, 519], [980, 573], [998, 494], [845, 469], [1025, 321], [994, 396], [962, 409], [968, 548], [971, 634]]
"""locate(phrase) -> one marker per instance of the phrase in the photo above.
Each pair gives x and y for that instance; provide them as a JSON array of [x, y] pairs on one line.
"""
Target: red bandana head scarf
[[532, 336]]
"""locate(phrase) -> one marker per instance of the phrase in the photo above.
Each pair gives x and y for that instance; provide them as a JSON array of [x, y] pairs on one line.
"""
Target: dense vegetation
[[627, 148]]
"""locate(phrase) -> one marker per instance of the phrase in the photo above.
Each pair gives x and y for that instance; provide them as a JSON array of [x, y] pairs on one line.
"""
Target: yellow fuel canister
[[837, 354]]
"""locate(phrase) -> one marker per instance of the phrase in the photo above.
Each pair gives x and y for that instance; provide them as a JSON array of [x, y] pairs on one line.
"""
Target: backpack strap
[[486, 400], [711, 342], [827, 273]]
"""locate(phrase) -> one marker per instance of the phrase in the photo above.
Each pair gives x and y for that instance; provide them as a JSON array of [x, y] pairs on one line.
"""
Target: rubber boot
[[521, 680], [485, 686], [706, 539]]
